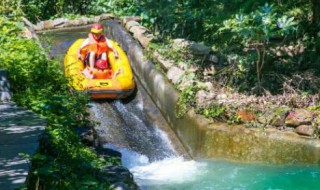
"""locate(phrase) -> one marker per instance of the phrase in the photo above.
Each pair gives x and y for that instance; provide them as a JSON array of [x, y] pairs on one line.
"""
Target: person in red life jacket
[[95, 47]]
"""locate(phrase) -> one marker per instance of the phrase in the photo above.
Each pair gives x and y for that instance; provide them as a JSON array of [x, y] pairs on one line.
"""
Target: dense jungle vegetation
[[271, 45]]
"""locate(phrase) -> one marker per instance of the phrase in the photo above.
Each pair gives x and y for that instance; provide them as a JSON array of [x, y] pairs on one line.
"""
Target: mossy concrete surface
[[213, 140]]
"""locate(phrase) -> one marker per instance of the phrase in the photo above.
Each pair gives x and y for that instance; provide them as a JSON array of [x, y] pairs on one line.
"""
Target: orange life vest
[[102, 74], [98, 46]]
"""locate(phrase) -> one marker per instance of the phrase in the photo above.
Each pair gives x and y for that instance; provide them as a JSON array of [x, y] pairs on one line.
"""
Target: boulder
[[47, 24], [39, 26], [75, 22], [299, 117], [204, 98], [131, 24], [174, 74], [119, 177], [83, 21], [212, 58], [199, 49], [306, 130], [208, 86], [193, 47], [127, 19], [27, 33], [87, 135], [164, 63], [137, 30], [96, 19], [59, 22], [106, 16]]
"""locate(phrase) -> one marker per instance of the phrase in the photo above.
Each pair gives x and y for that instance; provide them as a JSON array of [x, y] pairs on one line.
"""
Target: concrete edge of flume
[[202, 138]]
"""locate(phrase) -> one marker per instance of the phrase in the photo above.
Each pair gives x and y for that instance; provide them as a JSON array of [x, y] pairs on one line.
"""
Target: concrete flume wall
[[213, 140]]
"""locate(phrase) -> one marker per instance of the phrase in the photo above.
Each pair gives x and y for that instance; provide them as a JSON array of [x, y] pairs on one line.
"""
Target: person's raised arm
[[115, 52]]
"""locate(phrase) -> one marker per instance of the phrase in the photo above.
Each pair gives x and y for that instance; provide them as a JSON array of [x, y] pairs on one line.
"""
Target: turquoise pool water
[[178, 174]]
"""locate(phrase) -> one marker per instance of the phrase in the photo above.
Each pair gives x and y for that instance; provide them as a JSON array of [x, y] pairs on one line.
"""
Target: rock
[[199, 49], [119, 177], [119, 186], [212, 58], [91, 20], [131, 24], [87, 135], [221, 98], [174, 74], [83, 21], [39, 26], [27, 33], [204, 98], [206, 85], [185, 83], [75, 22], [182, 65], [59, 22], [193, 47], [299, 117], [137, 30], [47, 24], [164, 64], [180, 43], [126, 19], [109, 153], [96, 19], [140, 33], [307, 130], [279, 118], [145, 39], [106, 16]]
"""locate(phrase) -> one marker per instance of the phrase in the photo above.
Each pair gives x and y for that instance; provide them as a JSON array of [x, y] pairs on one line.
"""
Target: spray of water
[[173, 170]]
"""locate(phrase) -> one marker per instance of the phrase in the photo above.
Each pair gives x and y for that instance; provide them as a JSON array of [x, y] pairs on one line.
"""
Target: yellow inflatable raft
[[104, 84]]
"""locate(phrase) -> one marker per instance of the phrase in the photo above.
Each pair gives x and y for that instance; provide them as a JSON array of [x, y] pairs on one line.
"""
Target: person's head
[[96, 30]]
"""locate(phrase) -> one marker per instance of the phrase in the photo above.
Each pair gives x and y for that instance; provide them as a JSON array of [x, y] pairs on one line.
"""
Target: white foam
[[169, 170], [174, 170]]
